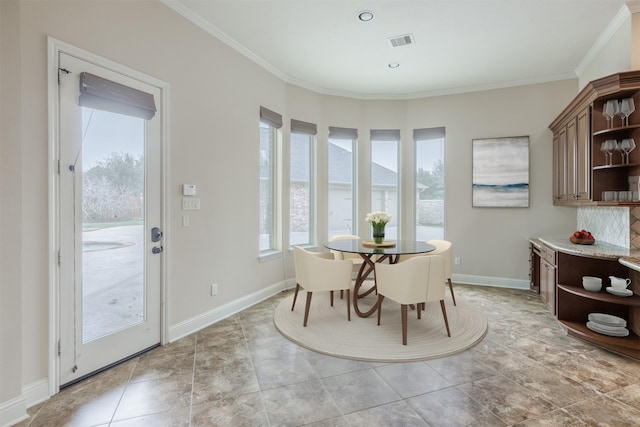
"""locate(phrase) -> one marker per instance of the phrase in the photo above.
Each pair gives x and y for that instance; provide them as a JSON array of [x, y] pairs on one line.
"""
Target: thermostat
[[189, 190]]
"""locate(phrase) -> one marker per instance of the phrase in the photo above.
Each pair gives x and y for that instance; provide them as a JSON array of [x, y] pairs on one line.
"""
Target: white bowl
[[593, 284]]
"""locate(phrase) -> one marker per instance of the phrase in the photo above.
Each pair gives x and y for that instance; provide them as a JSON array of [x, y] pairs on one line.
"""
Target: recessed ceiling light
[[393, 65], [365, 15]]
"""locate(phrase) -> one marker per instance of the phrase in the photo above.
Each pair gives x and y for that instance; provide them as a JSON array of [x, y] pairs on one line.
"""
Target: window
[[429, 184], [270, 122], [385, 177], [302, 218], [341, 186]]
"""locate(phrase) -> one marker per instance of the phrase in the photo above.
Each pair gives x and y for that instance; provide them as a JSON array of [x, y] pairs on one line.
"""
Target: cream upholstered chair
[[316, 272], [444, 248], [415, 281], [355, 258]]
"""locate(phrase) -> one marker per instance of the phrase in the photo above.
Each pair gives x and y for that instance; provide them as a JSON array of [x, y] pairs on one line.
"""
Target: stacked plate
[[608, 324], [620, 292]]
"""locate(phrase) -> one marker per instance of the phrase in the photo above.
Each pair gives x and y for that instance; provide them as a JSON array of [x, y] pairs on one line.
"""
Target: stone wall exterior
[[430, 212]]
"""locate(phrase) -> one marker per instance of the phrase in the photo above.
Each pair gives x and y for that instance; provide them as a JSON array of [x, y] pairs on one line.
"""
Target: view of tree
[[433, 180], [113, 189]]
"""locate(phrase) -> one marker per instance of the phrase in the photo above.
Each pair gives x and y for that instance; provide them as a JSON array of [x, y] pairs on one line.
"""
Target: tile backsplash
[[611, 224]]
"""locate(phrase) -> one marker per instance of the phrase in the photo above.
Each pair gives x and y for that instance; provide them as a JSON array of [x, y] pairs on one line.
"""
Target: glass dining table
[[371, 253]]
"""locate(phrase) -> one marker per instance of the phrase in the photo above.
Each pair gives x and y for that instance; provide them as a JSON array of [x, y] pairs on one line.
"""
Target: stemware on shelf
[[627, 145], [627, 107], [610, 110], [616, 147], [620, 113], [608, 147]]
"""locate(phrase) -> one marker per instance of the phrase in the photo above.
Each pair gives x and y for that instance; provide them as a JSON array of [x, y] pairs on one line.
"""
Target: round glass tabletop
[[401, 247]]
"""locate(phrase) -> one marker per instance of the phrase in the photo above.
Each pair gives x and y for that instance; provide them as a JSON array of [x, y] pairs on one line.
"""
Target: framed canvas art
[[501, 172]]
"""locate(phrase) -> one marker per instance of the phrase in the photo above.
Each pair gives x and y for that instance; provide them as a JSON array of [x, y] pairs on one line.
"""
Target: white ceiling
[[460, 46]]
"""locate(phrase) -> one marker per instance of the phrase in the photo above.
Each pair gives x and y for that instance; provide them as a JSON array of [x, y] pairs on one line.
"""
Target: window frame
[[274, 241], [388, 135], [354, 178], [312, 187], [423, 135]]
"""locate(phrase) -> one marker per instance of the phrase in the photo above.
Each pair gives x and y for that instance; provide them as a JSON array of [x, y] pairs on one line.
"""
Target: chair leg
[[403, 308], [380, 298], [453, 297], [348, 306], [295, 296], [419, 310], [444, 314], [306, 309], [331, 297]]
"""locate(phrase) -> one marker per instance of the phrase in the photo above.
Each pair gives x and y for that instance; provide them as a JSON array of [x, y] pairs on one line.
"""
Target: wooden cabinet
[[560, 166], [580, 172], [548, 278], [574, 303], [535, 254]]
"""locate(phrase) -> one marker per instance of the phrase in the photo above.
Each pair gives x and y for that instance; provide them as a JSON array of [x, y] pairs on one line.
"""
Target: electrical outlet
[[457, 260], [214, 289]]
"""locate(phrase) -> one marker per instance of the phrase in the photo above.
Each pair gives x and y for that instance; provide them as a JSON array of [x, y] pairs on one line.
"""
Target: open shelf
[[604, 296], [627, 346], [618, 166], [616, 130]]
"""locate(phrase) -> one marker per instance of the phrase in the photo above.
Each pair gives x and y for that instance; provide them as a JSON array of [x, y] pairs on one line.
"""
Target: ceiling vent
[[401, 40]]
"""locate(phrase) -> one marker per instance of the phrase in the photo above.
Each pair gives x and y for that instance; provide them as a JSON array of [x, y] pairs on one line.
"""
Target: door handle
[[157, 249], [156, 234]]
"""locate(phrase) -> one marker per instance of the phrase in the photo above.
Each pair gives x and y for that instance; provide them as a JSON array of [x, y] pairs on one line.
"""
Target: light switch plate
[[190, 204]]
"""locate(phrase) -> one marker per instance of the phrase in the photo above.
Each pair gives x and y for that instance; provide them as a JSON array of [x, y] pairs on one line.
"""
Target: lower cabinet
[[574, 303], [548, 278]]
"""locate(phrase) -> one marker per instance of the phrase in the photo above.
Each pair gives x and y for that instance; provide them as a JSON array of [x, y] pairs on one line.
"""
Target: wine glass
[[609, 111], [627, 145], [627, 106], [616, 147], [608, 147], [620, 113]]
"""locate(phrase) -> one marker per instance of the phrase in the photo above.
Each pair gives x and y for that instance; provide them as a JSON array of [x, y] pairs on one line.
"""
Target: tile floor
[[242, 372]]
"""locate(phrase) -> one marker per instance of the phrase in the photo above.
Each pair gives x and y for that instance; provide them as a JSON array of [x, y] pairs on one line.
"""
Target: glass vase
[[378, 233]]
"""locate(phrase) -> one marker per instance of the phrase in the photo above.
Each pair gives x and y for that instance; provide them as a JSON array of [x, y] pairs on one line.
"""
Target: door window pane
[[301, 190], [430, 190], [112, 194]]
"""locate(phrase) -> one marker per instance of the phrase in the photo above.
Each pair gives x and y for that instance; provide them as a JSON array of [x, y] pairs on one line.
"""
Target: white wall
[[10, 212], [215, 94], [615, 54]]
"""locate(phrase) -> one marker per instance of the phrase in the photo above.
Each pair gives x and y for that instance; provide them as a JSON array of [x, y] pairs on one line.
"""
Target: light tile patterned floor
[[242, 372]]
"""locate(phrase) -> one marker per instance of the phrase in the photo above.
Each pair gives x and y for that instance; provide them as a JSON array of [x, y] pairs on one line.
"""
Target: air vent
[[401, 40]]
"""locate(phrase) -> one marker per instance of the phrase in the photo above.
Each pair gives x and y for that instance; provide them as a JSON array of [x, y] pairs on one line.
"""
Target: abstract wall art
[[501, 172]]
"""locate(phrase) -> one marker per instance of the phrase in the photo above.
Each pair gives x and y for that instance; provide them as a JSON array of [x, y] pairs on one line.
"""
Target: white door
[[109, 218]]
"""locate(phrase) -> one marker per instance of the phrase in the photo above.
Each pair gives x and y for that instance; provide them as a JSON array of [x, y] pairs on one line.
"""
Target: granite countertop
[[628, 258]]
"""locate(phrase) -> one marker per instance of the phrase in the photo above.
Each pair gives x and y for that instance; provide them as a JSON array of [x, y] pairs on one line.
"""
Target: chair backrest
[[436, 278], [404, 282], [345, 255], [319, 271], [444, 248]]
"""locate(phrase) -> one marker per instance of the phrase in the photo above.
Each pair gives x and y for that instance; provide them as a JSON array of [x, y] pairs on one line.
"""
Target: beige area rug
[[329, 332]]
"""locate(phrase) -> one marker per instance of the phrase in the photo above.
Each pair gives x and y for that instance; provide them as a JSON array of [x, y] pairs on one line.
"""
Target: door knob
[[156, 234], [157, 249]]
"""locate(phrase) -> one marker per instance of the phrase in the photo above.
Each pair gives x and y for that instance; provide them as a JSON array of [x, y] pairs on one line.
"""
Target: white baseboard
[[15, 410], [203, 320], [497, 282]]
